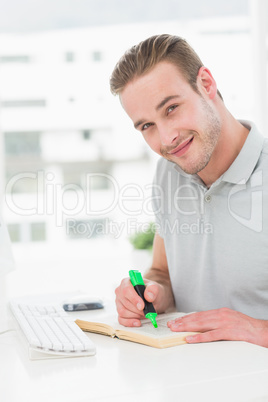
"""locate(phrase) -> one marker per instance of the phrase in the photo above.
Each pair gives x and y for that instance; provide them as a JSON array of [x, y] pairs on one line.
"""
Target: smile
[[182, 148]]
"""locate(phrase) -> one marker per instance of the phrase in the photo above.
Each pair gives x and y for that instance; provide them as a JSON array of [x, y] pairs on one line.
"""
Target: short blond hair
[[141, 58]]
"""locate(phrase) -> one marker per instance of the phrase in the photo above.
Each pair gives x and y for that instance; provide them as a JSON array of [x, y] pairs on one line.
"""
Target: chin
[[192, 167]]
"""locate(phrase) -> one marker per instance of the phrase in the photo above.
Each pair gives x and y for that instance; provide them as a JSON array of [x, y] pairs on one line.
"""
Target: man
[[210, 254]]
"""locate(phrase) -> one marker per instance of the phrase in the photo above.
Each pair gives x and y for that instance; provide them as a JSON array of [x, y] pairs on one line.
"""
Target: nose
[[167, 134]]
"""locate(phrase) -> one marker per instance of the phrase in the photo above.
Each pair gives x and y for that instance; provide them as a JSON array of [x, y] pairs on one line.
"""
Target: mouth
[[182, 148]]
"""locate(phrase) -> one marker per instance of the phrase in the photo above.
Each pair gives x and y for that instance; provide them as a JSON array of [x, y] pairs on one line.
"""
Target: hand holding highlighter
[[138, 284]]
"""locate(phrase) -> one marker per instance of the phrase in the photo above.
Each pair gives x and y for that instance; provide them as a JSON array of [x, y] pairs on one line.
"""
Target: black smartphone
[[79, 303]]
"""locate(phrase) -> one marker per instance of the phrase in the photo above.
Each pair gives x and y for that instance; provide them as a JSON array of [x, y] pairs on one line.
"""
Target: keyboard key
[[49, 329]]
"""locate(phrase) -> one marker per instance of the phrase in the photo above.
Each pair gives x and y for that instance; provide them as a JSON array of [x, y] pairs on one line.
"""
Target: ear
[[206, 82]]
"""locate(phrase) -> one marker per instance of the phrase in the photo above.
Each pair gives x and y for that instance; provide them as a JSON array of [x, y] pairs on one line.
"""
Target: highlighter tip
[[152, 317]]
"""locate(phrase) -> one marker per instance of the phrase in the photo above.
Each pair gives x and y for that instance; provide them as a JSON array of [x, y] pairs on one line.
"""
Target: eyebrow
[[159, 106], [165, 100]]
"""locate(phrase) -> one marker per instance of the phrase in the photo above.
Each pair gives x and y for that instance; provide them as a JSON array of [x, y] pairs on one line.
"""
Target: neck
[[232, 138]]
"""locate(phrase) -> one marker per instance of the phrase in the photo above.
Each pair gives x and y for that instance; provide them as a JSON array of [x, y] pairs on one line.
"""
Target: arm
[[158, 289], [222, 324]]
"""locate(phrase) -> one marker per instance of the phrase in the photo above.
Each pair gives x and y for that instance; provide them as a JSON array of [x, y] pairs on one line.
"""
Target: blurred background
[[75, 175]]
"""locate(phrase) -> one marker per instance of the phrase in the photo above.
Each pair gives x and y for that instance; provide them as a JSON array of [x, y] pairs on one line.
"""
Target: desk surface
[[125, 371]]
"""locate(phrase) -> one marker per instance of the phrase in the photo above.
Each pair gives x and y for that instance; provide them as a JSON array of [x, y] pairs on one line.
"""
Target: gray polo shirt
[[216, 239]]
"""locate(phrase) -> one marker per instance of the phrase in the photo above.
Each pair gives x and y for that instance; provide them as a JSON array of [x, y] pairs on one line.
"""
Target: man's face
[[176, 122]]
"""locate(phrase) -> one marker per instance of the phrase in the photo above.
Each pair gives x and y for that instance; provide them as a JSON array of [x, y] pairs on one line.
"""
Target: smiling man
[[213, 170]]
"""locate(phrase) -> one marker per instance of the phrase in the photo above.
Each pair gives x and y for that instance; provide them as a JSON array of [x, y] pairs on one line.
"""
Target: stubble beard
[[209, 140]]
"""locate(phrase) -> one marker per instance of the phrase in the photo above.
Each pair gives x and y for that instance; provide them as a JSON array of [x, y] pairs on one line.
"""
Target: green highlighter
[[139, 286]]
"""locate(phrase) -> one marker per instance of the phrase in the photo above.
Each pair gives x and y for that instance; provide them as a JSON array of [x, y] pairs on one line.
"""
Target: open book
[[161, 337]]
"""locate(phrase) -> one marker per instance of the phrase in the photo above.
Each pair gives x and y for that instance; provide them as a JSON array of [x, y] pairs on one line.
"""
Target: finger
[[188, 318], [180, 325], [125, 292], [197, 317], [127, 305], [131, 298], [125, 312], [206, 320], [151, 293], [129, 322], [223, 314], [218, 335]]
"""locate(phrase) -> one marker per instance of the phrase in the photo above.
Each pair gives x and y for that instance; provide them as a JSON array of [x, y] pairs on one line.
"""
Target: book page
[[110, 326], [147, 328], [147, 334]]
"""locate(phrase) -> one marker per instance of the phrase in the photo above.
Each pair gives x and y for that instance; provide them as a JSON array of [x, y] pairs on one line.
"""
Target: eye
[[171, 108], [146, 126]]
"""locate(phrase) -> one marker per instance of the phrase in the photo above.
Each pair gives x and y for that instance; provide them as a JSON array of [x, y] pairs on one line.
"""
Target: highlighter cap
[[136, 278]]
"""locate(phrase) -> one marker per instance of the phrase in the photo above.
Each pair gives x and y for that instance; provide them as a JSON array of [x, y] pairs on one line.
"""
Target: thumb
[[150, 293]]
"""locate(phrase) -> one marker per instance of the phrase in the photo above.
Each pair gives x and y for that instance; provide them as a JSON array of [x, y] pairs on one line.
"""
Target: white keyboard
[[49, 329]]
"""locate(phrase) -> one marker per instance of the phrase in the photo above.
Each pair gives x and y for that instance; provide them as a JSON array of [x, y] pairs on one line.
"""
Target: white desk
[[120, 371], [125, 371]]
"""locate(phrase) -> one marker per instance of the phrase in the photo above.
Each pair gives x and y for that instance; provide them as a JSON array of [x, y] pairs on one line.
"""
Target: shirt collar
[[245, 162]]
